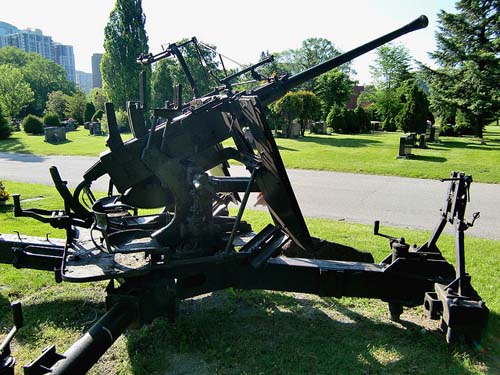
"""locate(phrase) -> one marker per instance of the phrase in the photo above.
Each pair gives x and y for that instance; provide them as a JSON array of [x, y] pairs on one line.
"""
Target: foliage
[[363, 119], [334, 88], [32, 125], [202, 73], [4, 194], [5, 129], [125, 40], [51, 119], [415, 112], [162, 84], [56, 103], [97, 116], [98, 98], [289, 106], [389, 71], [343, 120], [389, 124], [312, 52], [391, 66], [468, 59], [311, 108], [76, 106], [335, 119], [89, 111], [42, 75], [15, 92]]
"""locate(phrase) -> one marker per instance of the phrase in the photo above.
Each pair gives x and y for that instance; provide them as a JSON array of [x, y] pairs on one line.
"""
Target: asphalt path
[[395, 201]]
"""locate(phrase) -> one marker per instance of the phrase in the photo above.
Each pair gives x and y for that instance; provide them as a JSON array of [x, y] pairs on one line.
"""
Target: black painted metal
[[187, 249]]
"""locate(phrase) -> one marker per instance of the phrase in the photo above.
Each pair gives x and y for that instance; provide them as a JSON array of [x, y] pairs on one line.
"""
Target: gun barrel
[[268, 94]]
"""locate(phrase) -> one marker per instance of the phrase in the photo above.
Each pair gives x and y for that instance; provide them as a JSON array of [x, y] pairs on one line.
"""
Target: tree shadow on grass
[[338, 142], [13, 145], [260, 332], [470, 145], [433, 159]]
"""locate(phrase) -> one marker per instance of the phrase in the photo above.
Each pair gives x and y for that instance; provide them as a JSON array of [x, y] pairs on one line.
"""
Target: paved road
[[395, 201]]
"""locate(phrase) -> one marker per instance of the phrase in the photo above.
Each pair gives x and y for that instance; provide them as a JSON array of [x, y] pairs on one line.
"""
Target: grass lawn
[[364, 153], [256, 332]]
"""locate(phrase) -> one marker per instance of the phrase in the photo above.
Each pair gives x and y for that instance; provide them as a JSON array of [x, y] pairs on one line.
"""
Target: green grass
[[376, 154], [78, 142], [255, 332], [364, 153]]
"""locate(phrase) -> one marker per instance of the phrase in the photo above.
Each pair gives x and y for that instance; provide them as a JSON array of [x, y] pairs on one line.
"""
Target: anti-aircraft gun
[[192, 245]]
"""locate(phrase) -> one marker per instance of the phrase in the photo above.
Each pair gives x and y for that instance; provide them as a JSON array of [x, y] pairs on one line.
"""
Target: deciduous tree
[[56, 103], [15, 92]]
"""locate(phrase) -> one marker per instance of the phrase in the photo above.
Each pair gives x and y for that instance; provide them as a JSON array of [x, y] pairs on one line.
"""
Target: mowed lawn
[[254, 332], [373, 153]]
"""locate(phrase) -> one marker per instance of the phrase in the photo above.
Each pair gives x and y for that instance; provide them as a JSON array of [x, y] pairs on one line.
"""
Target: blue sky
[[239, 29]]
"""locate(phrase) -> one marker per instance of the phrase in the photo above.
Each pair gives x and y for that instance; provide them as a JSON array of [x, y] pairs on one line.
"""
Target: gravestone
[[54, 134]]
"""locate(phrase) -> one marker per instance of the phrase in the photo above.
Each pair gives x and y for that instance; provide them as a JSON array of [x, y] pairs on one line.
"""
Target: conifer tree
[[125, 40], [468, 56], [413, 117]]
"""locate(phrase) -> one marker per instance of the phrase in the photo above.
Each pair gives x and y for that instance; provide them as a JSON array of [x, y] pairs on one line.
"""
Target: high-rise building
[[64, 56], [96, 70], [84, 81], [33, 40]]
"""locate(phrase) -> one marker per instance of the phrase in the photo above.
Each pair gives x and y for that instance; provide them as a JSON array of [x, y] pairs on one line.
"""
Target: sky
[[239, 29]]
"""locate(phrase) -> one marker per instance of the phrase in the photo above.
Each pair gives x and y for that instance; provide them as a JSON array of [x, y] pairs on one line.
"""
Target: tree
[[162, 83], [125, 40], [362, 119], [415, 112], [56, 103], [44, 76], [312, 52], [202, 73], [76, 106], [289, 106], [389, 71], [5, 129], [89, 112], [334, 88], [15, 92], [391, 67], [468, 59], [311, 108], [98, 98]]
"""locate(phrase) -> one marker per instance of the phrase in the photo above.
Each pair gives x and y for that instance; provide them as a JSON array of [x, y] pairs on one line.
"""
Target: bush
[[389, 125], [335, 120], [351, 121], [363, 119], [97, 115], [51, 119], [448, 130], [5, 129], [4, 194], [32, 125]]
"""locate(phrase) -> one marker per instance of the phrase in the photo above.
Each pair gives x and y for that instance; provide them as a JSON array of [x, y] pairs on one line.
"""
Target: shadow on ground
[[258, 332], [266, 333], [338, 142]]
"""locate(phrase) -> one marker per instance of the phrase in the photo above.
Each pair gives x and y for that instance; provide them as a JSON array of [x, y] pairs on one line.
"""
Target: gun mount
[[192, 246]]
